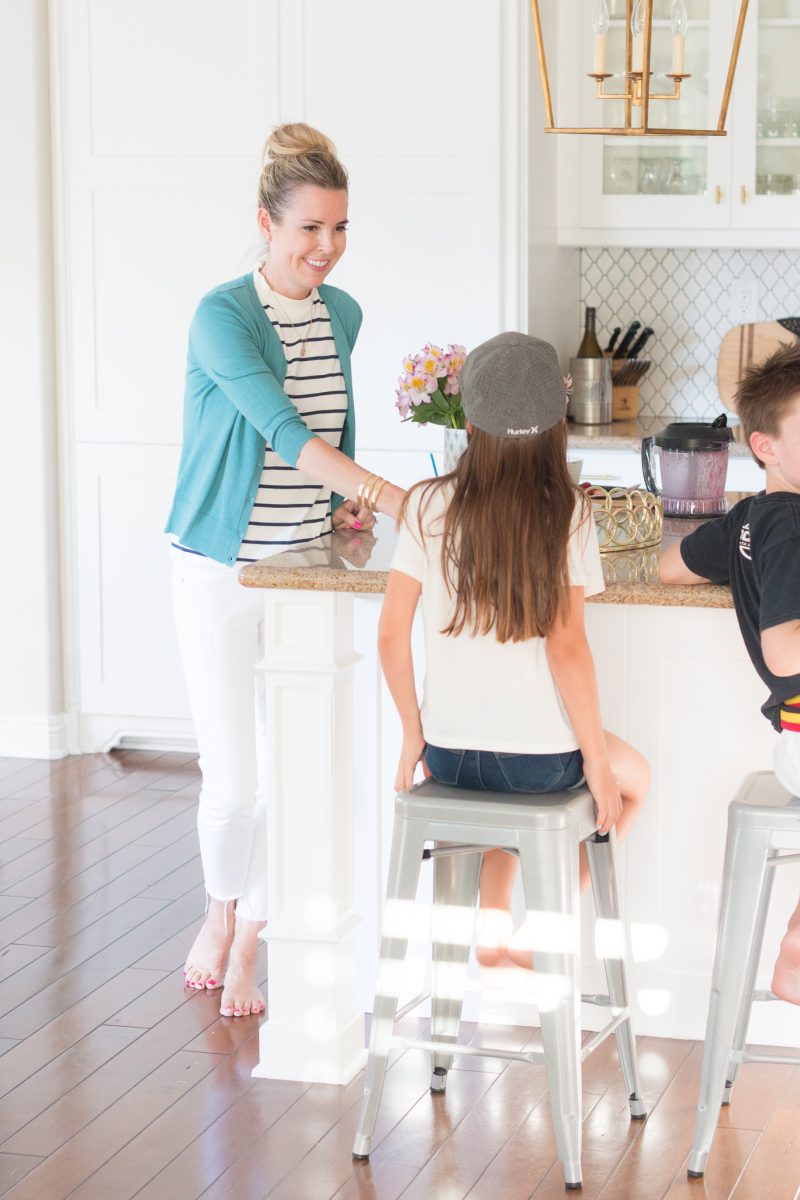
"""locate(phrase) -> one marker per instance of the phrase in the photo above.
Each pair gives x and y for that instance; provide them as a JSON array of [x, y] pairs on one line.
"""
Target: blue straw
[[433, 464]]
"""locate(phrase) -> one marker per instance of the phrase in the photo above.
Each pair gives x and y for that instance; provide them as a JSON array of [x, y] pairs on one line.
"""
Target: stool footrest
[[782, 860], [602, 1034], [447, 851], [526, 1056], [412, 1004], [744, 1056], [595, 998]]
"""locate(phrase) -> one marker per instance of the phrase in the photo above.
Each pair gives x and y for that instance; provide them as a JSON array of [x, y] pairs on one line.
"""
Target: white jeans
[[217, 621], [786, 761]]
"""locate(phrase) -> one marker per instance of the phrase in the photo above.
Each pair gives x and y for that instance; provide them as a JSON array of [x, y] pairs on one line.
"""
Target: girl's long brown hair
[[505, 534]]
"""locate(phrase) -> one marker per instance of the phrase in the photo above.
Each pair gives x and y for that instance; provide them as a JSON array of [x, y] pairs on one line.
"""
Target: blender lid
[[696, 435]]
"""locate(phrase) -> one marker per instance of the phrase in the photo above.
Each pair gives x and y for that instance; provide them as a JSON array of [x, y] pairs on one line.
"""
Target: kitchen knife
[[639, 344], [612, 341], [630, 334]]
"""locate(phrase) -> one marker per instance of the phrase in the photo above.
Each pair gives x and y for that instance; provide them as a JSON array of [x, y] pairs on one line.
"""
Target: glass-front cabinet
[[766, 145], [675, 185]]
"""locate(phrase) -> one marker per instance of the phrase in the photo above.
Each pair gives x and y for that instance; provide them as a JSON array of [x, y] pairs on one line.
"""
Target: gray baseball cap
[[512, 386]]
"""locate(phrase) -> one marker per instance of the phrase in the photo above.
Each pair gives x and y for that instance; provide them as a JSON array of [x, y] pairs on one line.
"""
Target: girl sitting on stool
[[503, 552]]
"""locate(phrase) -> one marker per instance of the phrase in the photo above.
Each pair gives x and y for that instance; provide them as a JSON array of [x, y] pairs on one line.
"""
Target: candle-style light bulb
[[680, 23], [600, 22], [637, 32]]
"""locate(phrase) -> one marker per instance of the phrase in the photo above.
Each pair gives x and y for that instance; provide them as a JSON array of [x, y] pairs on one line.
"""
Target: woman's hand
[[411, 753], [349, 516], [603, 785]]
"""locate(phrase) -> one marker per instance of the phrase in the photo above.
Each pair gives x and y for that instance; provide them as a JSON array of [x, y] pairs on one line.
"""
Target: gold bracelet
[[362, 487], [371, 494], [377, 494]]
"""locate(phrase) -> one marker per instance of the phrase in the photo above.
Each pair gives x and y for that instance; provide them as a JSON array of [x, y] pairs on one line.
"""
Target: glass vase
[[455, 443]]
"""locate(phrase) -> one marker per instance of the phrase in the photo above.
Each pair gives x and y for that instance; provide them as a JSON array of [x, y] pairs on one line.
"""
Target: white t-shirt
[[481, 694]]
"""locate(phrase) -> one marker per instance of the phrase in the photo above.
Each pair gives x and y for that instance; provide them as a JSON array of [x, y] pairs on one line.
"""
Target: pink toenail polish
[[212, 982]]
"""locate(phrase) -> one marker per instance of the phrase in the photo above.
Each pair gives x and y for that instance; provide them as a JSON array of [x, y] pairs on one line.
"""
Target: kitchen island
[[674, 680]]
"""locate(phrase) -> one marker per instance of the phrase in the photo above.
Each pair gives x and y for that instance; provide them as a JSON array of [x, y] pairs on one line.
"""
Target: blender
[[693, 465]]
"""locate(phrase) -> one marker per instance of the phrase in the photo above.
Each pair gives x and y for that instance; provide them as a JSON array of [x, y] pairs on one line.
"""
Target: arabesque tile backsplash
[[685, 296]]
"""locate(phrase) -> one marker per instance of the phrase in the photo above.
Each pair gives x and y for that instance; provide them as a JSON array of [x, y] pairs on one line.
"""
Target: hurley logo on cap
[[522, 432]]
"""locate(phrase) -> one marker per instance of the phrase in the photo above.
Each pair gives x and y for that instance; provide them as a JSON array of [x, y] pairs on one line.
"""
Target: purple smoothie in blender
[[693, 463]]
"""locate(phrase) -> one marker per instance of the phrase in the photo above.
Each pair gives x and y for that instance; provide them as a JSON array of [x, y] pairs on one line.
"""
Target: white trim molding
[[32, 735]]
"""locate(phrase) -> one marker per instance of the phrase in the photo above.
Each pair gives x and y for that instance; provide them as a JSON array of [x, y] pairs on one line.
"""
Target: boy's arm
[[572, 666], [394, 648], [672, 569], [780, 646]]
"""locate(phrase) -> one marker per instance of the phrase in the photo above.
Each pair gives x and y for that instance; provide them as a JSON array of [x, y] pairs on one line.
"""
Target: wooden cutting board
[[747, 345]]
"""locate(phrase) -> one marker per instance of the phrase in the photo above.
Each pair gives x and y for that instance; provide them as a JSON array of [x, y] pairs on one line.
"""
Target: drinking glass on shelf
[[619, 176], [791, 123], [770, 119], [650, 179]]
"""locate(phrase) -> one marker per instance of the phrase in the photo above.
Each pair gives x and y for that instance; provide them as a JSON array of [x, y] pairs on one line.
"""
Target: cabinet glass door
[[650, 182], [767, 115]]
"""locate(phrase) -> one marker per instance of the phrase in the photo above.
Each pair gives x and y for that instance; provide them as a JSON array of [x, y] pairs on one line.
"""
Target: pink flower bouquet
[[429, 391]]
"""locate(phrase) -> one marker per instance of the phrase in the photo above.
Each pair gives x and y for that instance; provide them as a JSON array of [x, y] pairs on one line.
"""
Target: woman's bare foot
[[208, 957], [786, 978], [241, 996]]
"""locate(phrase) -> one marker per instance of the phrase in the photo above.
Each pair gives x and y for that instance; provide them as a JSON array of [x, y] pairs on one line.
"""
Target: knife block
[[624, 402]]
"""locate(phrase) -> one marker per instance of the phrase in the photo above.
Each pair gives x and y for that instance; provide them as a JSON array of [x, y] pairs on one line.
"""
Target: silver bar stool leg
[[731, 991], [601, 853], [549, 862], [401, 889], [455, 889], [742, 1023]]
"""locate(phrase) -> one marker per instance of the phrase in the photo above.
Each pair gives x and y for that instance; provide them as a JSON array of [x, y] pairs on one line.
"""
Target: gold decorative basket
[[626, 518]]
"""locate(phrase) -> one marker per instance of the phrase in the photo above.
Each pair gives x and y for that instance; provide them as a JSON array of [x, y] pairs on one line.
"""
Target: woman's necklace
[[282, 312]]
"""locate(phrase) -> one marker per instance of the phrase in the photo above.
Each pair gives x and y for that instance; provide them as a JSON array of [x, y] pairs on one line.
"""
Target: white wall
[[156, 183], [31, 697], [554, 272], [155, 203]]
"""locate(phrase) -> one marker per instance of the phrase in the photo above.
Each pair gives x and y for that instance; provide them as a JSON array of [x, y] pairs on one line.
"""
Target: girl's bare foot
[[207, 959], [493, 931], [241, 996], [786, 978]]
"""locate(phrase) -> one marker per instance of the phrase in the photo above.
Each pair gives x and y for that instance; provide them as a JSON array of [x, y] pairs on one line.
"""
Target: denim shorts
[[487, 771]]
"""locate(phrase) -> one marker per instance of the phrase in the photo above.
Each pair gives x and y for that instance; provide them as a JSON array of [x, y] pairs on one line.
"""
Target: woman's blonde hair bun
[[297, 155], [289, 141]]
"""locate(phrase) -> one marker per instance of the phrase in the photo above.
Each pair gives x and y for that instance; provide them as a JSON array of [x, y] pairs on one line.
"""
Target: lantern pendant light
[[636, 69]]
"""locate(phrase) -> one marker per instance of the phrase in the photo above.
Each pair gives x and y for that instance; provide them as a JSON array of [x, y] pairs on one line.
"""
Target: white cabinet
[[738, 190]]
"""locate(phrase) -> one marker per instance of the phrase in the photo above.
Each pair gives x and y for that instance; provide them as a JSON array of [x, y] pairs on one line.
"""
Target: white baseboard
[[98, 733], [33, 735]]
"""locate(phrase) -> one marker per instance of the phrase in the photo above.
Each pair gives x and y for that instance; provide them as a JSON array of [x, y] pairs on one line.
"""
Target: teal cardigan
[[234, 405]]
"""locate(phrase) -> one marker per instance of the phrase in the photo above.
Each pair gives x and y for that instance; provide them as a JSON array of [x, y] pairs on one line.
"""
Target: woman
[[267, 457]]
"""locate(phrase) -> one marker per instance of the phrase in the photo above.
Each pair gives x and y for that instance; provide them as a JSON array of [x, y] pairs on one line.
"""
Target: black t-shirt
[[756, 549]]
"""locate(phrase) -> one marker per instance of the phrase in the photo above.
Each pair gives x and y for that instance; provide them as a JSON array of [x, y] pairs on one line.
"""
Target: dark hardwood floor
[[115, 1082]]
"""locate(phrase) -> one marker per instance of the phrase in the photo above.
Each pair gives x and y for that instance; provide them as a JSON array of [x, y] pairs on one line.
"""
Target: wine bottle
[[589, 347]]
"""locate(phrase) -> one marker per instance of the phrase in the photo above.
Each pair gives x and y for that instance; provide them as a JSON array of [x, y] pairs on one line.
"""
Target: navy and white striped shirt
[[290, 507]]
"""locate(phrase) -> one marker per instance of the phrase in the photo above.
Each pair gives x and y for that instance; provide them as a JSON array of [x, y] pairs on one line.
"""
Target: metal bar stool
[[763, 820], [545, 832]]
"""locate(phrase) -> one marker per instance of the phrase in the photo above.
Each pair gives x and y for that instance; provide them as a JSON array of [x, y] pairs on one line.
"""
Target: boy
[[756, 549]]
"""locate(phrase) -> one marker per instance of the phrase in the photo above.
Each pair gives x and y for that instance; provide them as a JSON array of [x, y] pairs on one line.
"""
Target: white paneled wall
[[160, 114]]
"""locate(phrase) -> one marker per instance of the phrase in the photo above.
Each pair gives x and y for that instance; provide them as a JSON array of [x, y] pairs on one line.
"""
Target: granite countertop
[[627, 435], [359, 563]]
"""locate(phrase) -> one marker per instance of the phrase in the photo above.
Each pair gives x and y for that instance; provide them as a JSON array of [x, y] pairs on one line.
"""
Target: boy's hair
[[767, 391], [505, 534]]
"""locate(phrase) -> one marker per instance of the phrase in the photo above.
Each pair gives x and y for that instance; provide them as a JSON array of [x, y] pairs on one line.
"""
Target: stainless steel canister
[[591, 391]]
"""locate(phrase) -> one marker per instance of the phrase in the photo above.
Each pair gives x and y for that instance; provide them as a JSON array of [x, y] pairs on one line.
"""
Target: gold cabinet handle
[[743, 194], [718, 195]]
